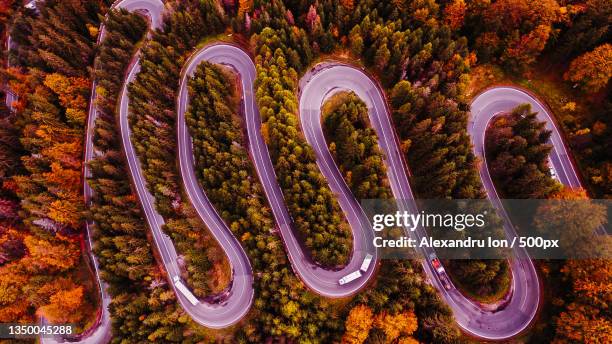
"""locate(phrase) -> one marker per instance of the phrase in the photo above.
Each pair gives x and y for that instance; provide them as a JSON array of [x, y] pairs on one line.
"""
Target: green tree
[[517, 154]]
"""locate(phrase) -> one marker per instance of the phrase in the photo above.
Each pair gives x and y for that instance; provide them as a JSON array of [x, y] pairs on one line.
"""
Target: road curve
[[239, 302], [235, 303], [320, 280], [317, 87], [484, 108], [101, 331], [328, 78], [498, 100]]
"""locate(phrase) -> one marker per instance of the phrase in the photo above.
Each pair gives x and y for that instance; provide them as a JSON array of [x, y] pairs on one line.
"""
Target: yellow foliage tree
[[64, 307], [65, 212], [244, 6], [265, 133], [358, 325], [13, 301], [393, 326], [45, 256], [72, 92]]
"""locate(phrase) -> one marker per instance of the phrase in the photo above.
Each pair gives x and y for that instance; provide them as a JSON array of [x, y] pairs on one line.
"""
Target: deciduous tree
[[358, 325], [592, 70]]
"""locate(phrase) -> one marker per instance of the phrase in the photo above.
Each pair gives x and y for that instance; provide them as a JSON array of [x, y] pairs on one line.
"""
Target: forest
[[426, 55], [568, 44], [317, 215], [384, 313], [354, 146], [283, 306], [517, 153], [43, 273], [143, 307], [153, 139], [517, 150]]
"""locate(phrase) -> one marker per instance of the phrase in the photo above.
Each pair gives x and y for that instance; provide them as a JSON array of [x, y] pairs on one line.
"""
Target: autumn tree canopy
[[592, 70]]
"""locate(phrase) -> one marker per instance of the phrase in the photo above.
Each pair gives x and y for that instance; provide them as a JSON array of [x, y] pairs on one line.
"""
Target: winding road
[[236, 302], [322, 281], [328, 78], [101, 331], [500, 100], [503, 99], [316, 87]]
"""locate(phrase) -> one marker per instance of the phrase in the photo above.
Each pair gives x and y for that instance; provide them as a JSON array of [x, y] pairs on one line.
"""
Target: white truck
[[183, 290], [350, 277], [366, 262], [553, 172]]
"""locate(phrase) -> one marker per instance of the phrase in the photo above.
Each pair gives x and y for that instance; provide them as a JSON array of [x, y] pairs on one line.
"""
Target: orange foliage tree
[[65, 301], [13, 296], [454, 14], [587, 318], [21, 85], [244, 6], [72, 92], [393, 326], [527, 48], [5, 6], [397, 328], [407, 340], [592, 70], [515, 30], [358, 325], [348, 4], [49, 257]]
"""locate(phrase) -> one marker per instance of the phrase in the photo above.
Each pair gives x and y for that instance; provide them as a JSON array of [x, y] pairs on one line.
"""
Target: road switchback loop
[[329, 78]]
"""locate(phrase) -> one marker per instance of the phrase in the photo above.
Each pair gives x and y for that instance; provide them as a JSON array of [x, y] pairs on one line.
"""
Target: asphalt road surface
[[315, 88], [499, 100], [10, 97], [327, 79], [233, 304], [321, 280], [101, 331], [239, 302]]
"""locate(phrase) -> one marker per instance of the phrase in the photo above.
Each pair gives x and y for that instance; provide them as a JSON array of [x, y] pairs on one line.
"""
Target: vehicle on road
[[366, 262], [350, 277], [436, 263], [553, 172], [445, 282], [183, 289]]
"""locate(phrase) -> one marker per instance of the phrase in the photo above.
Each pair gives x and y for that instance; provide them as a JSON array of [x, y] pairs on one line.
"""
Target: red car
[[437, 265]]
